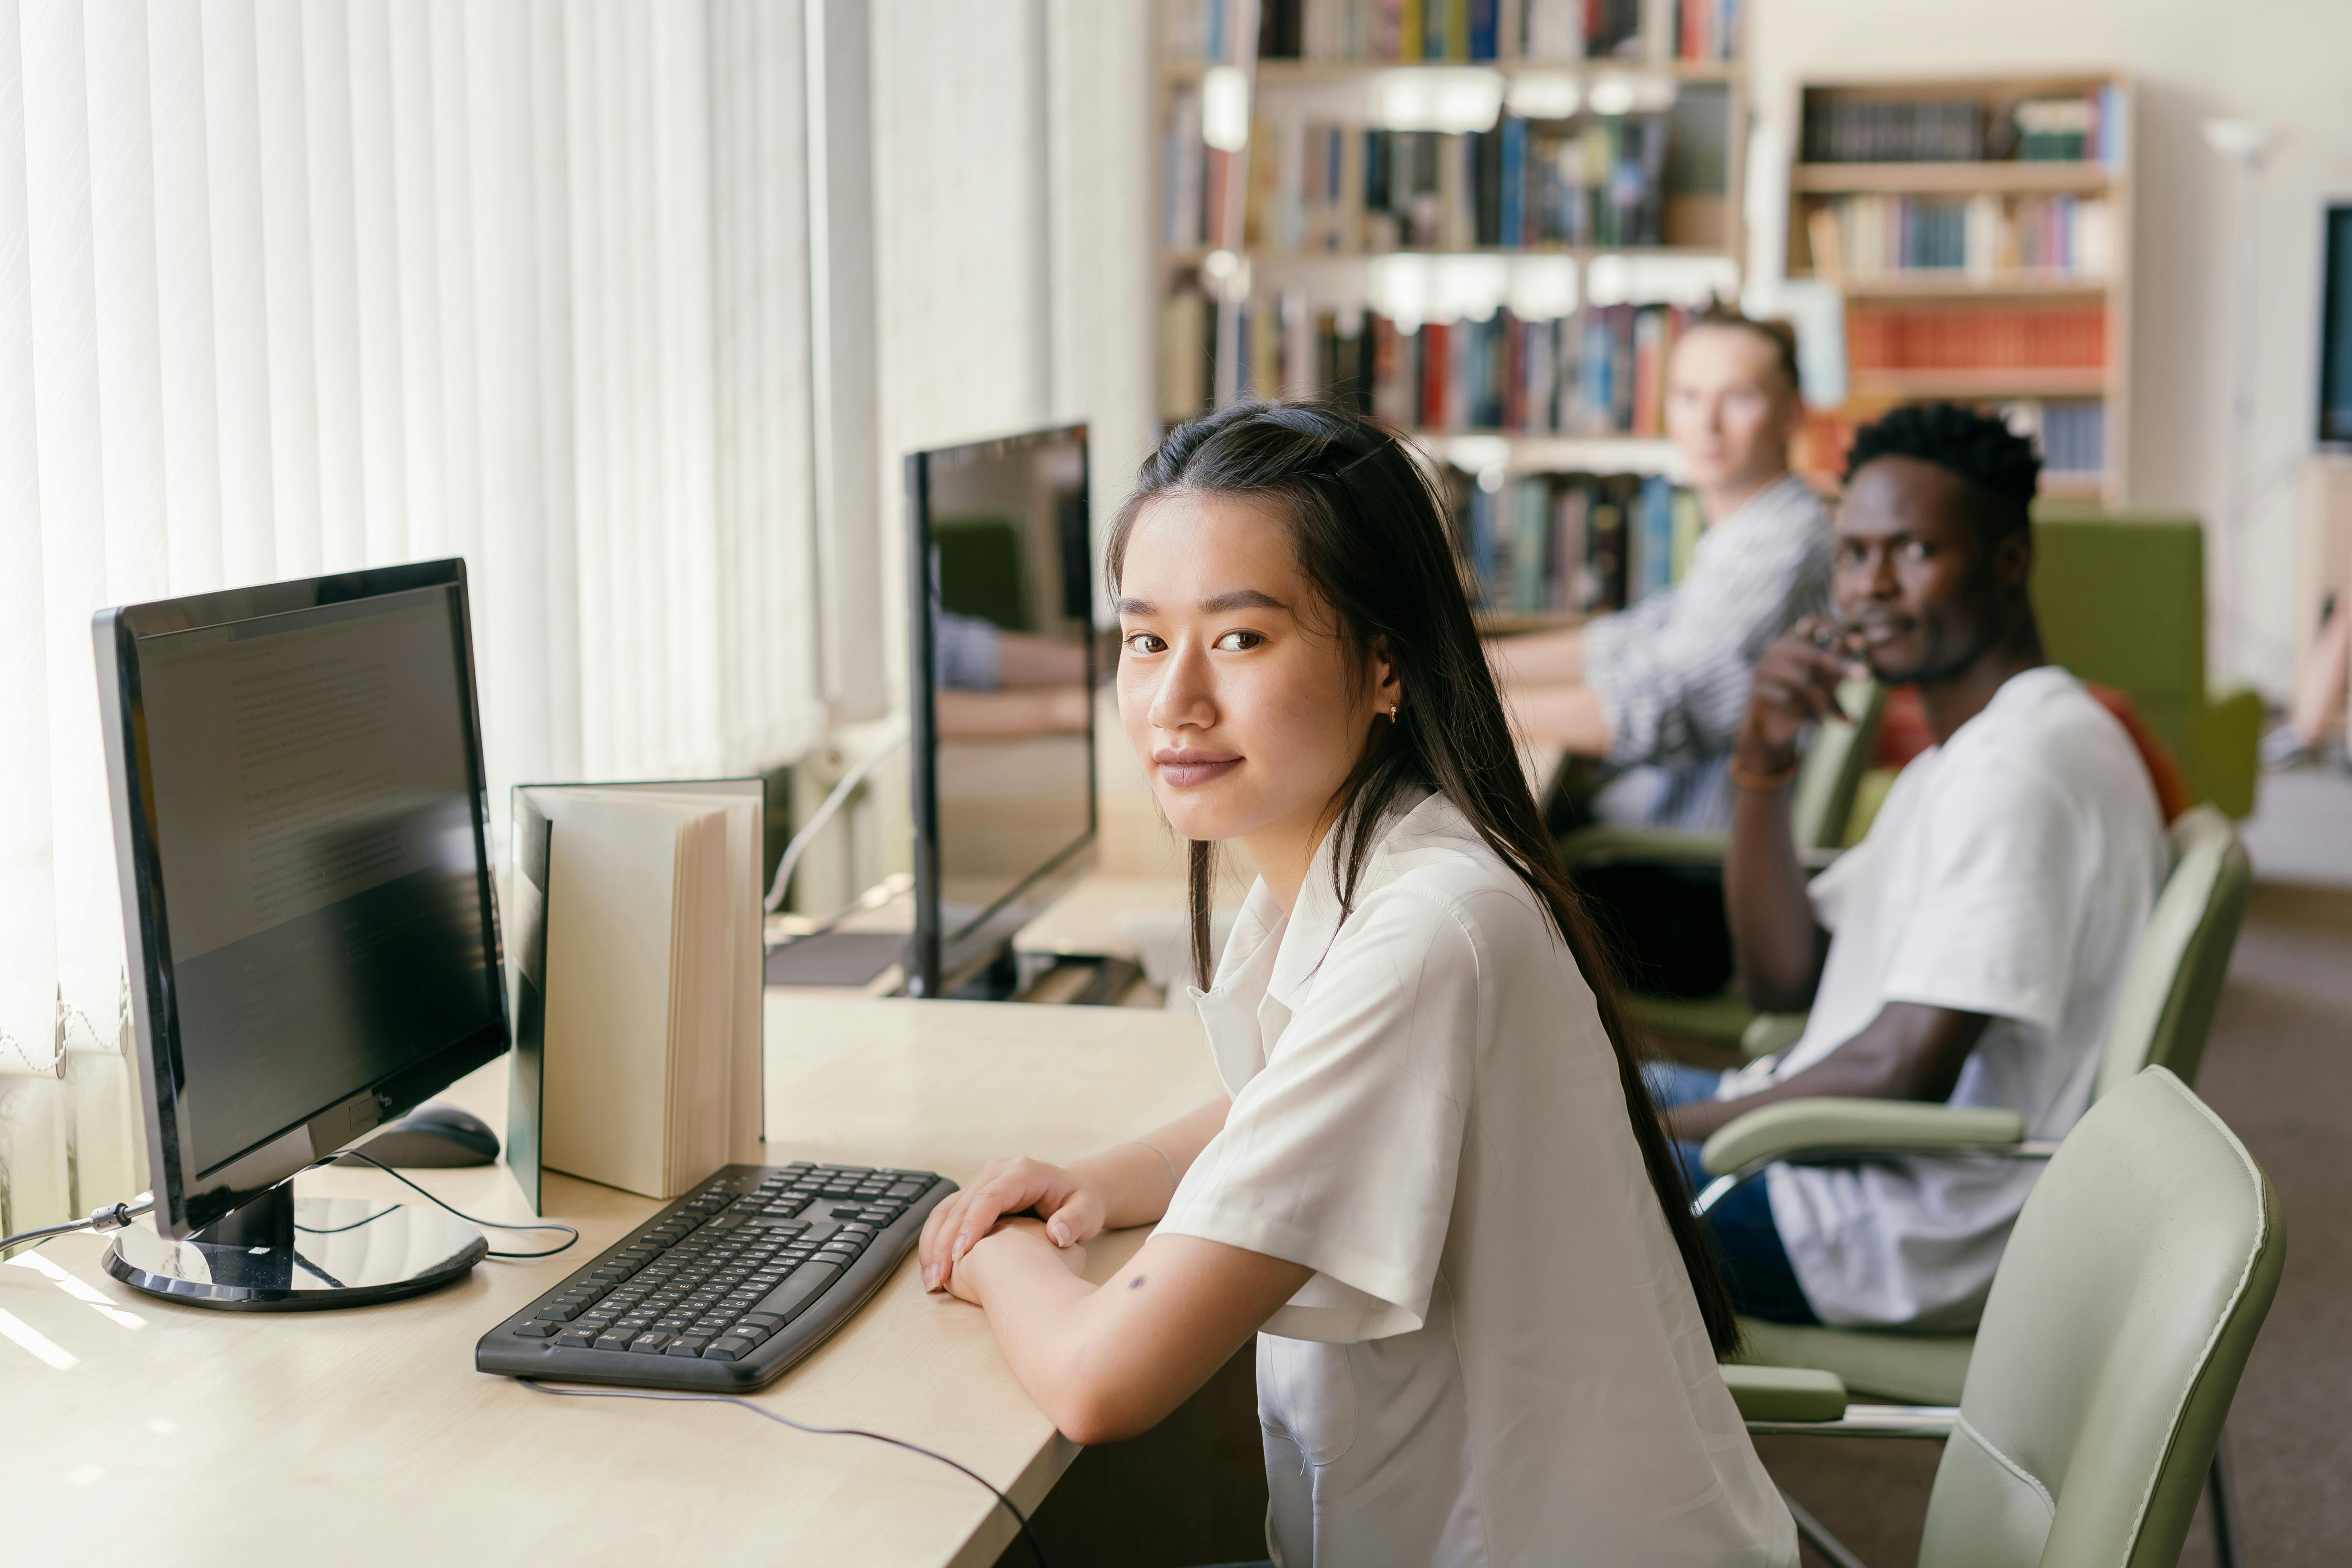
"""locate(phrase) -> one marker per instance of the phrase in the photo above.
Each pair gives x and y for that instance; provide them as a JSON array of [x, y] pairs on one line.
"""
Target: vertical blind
[[297, 285]]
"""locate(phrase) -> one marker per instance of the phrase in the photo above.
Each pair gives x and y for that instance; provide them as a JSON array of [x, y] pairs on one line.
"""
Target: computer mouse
[[435, 1134]]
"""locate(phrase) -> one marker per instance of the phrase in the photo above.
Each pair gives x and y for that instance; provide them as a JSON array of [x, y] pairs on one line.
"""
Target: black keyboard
[[728, 1286]]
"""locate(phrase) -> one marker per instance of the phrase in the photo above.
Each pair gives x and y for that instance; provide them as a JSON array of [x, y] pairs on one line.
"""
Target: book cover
[[1482, 27], [1531, 527], [1436, 359], [526, 923], [1512, 216]]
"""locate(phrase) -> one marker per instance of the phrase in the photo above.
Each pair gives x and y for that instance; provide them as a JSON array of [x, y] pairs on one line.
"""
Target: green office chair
[[2128, 1297], [1819, 805], [2162, 1019]]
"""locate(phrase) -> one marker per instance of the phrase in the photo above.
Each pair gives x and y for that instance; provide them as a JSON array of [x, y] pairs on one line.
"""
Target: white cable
[[825, 813]]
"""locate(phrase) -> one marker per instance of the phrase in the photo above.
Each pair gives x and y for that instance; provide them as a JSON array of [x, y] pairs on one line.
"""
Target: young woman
[[1434, 1186]]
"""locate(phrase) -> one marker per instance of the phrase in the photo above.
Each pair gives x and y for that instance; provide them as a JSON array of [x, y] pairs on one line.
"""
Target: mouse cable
[[1019, 1518], [469, 1219]]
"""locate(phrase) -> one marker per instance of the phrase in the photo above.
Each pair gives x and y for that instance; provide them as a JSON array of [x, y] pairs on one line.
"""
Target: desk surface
[[367, 1436]]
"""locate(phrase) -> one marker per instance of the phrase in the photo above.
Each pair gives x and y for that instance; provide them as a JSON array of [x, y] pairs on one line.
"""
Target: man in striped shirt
[[1655, 693]]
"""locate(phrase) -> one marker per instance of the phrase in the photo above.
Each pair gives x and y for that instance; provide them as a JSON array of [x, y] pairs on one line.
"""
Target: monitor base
[[285, 1254]]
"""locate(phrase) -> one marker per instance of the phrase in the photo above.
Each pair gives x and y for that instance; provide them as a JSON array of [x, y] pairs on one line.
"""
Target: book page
[[703, 1005], [612, 877], [742, 801]]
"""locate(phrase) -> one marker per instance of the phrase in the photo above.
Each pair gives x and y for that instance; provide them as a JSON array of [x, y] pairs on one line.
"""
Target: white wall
[[1011, 198], [2284, 62]]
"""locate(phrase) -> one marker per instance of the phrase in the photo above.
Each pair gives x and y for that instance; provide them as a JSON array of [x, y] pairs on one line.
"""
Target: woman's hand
[[1022, 1235], [1071, 1209]]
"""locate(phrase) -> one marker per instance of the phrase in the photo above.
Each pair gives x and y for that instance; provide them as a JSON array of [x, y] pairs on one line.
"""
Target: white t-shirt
[[1499, 1360], [2009, 873]]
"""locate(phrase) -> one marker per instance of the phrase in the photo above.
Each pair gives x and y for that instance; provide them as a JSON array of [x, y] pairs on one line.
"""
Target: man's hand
[[1796, 684]]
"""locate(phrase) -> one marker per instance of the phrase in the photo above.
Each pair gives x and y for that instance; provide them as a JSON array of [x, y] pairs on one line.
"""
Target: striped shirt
[[1672, 671]]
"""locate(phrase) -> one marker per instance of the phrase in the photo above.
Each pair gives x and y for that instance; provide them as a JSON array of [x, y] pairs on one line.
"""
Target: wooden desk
[[366, 1437]]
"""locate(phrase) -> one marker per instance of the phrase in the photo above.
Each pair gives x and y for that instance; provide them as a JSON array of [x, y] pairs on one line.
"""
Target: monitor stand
[[285, 1254]]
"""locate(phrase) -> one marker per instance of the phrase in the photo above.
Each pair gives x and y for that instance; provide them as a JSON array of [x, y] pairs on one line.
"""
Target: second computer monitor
[[1003, 665]]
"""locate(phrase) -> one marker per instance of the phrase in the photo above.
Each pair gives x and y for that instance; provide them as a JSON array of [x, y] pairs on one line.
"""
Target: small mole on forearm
[[1135, 1283]]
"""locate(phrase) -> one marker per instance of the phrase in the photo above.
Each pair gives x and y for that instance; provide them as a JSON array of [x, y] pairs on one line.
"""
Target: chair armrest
[[1610, 845], [1606, 844], [1827, 1126], [1784, 1392], [1771, 1032]]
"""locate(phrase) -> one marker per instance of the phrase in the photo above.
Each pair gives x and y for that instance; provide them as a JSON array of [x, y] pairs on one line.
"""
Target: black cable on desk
[[1019, 1518], [469, 1219]]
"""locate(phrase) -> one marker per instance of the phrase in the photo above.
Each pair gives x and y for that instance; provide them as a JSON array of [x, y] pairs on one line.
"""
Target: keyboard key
[[577, 1338], [789, 1299], [536, 1331], [614, 1340], [762, 1320], [905, 1189], [653, 1341], [559, 1314], [727, 1347]]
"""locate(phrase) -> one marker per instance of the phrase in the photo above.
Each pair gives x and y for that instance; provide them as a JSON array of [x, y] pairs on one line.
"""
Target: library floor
[[2279, 1070]]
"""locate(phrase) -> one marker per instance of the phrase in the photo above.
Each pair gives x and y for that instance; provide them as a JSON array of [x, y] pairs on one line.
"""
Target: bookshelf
[[1979, 231], [1549, 183]]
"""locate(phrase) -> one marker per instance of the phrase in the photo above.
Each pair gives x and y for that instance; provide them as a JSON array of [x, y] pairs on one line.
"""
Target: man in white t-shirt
[[1970, 951]]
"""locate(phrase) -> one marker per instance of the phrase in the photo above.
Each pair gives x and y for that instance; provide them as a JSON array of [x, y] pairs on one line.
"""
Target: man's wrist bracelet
[[1746, 780]]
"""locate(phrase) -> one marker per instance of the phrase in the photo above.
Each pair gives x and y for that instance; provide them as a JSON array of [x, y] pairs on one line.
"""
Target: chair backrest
[[2166, 1008], [1833, 765], [2131, 1290]]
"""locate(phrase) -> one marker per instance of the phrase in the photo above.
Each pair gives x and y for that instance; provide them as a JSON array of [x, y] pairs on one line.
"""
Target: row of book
[[1194, 178], [1408, 32], [1974, 337], [1600, 372], [1322, 187], [1983, 235], [2073, 433], [2086, 127], [1547, 543]]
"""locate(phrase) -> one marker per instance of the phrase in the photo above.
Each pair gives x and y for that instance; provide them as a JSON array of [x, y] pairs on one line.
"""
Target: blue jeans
[[1755, 1264]]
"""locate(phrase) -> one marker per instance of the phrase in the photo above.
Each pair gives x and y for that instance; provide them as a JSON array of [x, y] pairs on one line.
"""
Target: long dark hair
[[1369, 535]]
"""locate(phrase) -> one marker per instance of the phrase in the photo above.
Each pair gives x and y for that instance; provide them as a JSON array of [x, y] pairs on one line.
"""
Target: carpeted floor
[[2279, 1070]]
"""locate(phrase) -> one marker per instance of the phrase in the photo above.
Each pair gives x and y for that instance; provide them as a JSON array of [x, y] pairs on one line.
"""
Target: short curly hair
[[2000, 466]]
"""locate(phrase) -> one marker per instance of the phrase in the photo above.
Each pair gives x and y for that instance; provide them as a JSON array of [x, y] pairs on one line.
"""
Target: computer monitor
[[301, 827], [1000, 571]]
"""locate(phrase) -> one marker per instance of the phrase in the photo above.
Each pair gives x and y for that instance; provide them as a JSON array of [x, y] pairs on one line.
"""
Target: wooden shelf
[[1992, 382], [1273, 259], [1949, 179], [1548, 452], [1278, 72], [1954, 285], [1515, 623]]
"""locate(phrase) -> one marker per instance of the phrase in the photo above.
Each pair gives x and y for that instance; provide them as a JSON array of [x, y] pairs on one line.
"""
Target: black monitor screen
[[313, 804], [2336, 330], [1012, 619]]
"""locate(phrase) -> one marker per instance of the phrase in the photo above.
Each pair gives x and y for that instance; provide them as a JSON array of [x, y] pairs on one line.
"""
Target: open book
[[636, 949]]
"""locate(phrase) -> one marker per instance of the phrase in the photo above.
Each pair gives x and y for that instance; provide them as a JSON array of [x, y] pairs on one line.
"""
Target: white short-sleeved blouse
[[1499, 1360]]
